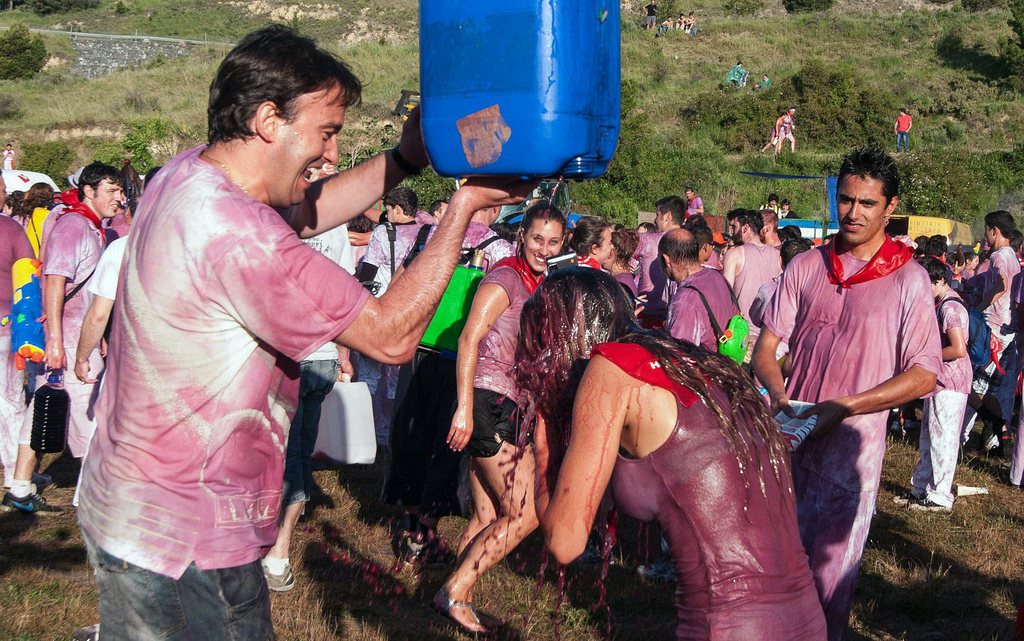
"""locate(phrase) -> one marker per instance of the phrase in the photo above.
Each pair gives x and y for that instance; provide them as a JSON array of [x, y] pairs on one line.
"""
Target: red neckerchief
[[589, 261], [530, 279], [639, 363], [89, 214], [889, 257]]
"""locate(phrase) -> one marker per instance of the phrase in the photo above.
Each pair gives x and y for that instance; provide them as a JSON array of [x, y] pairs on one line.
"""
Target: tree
[[22, 54], [795, 6], [1013, 47]]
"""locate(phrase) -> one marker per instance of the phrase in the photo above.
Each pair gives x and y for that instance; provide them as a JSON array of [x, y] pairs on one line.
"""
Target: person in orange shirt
[[902, 128]]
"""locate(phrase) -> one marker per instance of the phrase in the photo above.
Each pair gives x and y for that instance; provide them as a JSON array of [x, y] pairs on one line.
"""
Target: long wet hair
[[575, 309]]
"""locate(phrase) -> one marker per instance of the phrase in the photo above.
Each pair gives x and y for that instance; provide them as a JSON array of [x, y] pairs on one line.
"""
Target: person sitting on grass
[[764, 84], [680, 435], [737, 76]]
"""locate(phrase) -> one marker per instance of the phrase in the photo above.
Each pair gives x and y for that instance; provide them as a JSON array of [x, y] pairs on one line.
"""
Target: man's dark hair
[[402, 197], [95, 173], [360, 224], [772, 197], [677, 250], [703, 236], [872, 162], [275, 65], [688, 187], [785, 201], [792, 248], [694, 221], [935, 247], [587, 233], [936, 269], [1001, 220], [789, 232], [749, 217], [505, 231], [675, 206], [1016, 240], [436, 205]]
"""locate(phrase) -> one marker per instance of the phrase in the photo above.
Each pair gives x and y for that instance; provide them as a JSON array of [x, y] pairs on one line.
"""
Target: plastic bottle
[[520, 87], [450, 318], [50, 416]]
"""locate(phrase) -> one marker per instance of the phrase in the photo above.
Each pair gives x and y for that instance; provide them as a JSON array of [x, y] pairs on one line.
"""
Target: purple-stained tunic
[[217, 302], [628, 281], [1003, 263], [73, 250], [650, 278], [741, 571], [688, 319], [13, 245], [956, 374], [846, 341], [761, 263], [496, 358]]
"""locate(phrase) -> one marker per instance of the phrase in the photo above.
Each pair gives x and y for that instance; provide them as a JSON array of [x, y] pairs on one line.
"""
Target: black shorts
[[495, 421]]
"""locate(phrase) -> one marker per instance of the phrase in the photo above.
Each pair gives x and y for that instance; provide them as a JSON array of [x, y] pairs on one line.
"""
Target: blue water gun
[[27, 339]]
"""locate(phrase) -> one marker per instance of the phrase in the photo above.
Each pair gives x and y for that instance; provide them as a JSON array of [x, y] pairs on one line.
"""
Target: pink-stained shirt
[[688, 319], [848, 341], [628, 281], [496, 358], [1003, 264], [13, 246], [476, 234], [650, 279], [761, 300], [217, 302], [73, 250], [956, 374], [761, 263]]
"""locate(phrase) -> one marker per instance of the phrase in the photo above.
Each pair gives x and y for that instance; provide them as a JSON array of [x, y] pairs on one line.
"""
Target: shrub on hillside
[[796, 6], [953, 183], [46, 7], [1012, 48], [983, 5], [743, 7], [53, 158], [22, 54], [10, 108]]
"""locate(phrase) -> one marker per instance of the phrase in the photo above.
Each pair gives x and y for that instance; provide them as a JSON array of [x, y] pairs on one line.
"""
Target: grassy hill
[[847, 70]]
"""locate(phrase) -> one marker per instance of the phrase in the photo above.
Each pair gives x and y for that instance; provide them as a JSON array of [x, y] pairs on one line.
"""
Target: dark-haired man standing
[[74, 246], [669, 214], [749, 264], [218, 302], [860, 323]]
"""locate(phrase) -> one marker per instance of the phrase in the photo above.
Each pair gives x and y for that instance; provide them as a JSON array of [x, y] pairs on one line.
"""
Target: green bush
[[10, 108], [983, 5], [1012, 49], [52, 158], [46, 7], [796, 6], [22, 54], [743, 7]]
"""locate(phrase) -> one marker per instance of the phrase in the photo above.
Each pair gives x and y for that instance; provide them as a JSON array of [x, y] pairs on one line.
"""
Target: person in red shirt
[[902, 128]]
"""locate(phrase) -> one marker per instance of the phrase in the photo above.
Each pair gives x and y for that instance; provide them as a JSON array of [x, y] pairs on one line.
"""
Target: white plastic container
[[346, 426]]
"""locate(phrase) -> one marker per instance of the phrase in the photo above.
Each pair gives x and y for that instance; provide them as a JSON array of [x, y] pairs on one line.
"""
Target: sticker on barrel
[[484, 135]]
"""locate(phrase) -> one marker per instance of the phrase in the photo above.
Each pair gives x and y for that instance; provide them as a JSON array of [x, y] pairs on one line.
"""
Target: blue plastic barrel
[[520, 87]]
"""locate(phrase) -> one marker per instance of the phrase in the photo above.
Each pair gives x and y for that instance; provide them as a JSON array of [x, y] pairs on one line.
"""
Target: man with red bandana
[[74, 245], [858, 317]]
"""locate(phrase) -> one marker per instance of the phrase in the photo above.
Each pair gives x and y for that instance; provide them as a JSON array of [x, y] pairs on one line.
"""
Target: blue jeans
[[317, 380], [203, 605], [902, 141]]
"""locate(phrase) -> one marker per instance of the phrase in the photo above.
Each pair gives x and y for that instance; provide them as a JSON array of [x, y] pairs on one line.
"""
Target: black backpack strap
[[711, 316], [78, 287], [417, 248]]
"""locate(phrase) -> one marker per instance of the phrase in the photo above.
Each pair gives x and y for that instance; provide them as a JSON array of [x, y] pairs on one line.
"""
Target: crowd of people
[[600, 368]]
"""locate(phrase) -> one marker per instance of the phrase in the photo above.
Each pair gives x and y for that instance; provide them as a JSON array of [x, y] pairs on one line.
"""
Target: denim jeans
[[317, 380], [902, 140], [230, 604]]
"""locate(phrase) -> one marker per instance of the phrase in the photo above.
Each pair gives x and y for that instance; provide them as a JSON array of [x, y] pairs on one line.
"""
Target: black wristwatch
[[404, 164]]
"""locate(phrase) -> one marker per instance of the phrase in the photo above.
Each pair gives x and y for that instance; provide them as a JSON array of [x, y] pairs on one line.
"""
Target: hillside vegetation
[[847, 71]]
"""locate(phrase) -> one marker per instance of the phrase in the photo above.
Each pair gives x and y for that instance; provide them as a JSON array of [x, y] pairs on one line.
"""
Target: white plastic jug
[[346, 426]]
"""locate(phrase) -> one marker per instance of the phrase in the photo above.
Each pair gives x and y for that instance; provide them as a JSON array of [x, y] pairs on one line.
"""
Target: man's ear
[[267, 121], [891, 207]]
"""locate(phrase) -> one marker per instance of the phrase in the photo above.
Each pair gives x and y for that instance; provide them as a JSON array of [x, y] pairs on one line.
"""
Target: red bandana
[[588, 261], [89, 214], [636, 361], [530, 279], [889, 257]]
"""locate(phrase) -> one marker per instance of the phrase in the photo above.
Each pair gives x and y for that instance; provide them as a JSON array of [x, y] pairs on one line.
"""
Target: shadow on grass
[[955, 54], [355, 586]]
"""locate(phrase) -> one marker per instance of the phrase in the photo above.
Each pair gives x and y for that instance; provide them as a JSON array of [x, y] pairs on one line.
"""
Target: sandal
[[444, 604]]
